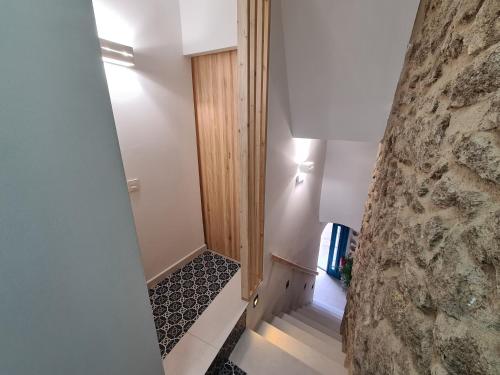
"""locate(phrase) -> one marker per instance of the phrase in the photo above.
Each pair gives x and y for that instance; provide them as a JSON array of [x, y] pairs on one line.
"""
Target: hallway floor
[[182, 297], [329, 293]]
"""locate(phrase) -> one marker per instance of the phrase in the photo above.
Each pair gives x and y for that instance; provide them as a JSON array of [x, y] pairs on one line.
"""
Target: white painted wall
[[347, 175], [208, 25], [72, 292], [344, 58], [154, 114], [292, 226]]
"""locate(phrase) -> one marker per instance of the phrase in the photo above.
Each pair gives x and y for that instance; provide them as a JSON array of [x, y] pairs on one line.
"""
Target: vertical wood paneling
[[253, 50], [243, 79], [263, 125], [215, 89]]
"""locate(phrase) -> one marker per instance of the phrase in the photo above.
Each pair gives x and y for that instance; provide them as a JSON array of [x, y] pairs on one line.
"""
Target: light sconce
[[116, 53], [300, 178], [256, 301], [304, 167]]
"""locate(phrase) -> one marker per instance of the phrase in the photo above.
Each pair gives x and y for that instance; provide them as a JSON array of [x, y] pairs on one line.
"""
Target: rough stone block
[[481, 153], [424, 297], [486, 27], [477, 79]]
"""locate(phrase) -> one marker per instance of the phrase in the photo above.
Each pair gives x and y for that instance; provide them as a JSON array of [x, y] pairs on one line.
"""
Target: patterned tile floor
[[230, 368], [182, 297]]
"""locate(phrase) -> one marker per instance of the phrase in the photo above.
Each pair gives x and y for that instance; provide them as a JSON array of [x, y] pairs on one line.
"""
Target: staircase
[[306, 341]]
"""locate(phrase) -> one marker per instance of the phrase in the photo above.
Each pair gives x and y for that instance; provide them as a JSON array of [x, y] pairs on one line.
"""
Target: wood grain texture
[[243, 79], [215, 88], [253, 50]]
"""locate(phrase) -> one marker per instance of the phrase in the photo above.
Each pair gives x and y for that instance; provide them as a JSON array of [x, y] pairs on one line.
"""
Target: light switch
[[133, 185]]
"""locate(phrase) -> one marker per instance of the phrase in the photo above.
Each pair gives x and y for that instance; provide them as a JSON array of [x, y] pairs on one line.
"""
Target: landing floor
[[329, 293], [182, 297]]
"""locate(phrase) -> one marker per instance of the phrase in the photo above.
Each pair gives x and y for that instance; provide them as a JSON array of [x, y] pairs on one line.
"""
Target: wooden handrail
[[286, 262]]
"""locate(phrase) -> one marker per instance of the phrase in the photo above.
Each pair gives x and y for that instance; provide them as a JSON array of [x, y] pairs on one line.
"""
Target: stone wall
[[425, 291]]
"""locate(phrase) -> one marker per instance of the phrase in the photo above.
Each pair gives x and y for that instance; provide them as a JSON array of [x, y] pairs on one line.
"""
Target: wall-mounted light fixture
[[304, 167], [256, 301], [300, 178], [116, 53], [302, 148]]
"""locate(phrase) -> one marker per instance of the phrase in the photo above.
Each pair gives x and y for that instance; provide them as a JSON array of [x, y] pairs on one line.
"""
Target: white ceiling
[[343, 61]]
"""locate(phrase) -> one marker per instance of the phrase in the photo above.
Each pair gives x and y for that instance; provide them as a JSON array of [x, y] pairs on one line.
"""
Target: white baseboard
[[174, 267]]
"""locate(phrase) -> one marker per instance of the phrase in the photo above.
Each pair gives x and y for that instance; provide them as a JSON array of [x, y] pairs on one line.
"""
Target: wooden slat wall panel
[[263, 125], [253, 50], [243, 79], [215, 88]]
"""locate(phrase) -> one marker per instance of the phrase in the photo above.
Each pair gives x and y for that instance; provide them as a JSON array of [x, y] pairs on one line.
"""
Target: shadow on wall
[[284, 290]]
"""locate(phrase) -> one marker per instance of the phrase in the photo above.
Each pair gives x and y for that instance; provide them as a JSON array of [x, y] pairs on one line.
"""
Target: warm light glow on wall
[[302, 148], [111, 26], [123, 83], [117, 35]]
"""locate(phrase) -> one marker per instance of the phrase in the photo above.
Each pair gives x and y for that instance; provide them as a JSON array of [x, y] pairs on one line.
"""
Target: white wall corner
[[208, 26]]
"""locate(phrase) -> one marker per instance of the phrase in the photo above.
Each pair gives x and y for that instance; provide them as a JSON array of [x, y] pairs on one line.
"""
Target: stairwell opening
[[335, 247]]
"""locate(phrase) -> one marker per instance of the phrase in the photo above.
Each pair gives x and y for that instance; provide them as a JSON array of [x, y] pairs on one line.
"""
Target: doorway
[[329, 291], [337, 251], [324, 247], [215, 87]]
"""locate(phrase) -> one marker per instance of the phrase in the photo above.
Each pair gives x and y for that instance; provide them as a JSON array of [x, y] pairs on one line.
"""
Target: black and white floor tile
[[182, 297], [230, 368]]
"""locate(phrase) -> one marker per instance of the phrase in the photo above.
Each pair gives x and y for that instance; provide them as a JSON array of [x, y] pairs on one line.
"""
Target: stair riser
[[328, 322], [320, 335], [320, 327], [299, 350], [257, 356], [333, 352], [325, 311]]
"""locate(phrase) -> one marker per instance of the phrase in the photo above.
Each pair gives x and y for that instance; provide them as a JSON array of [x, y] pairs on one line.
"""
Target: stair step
[[257, 356], [323, 318], [313, 323], [331, 349], [300, 350], [329, 310], [313, 331], [325, 312]]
